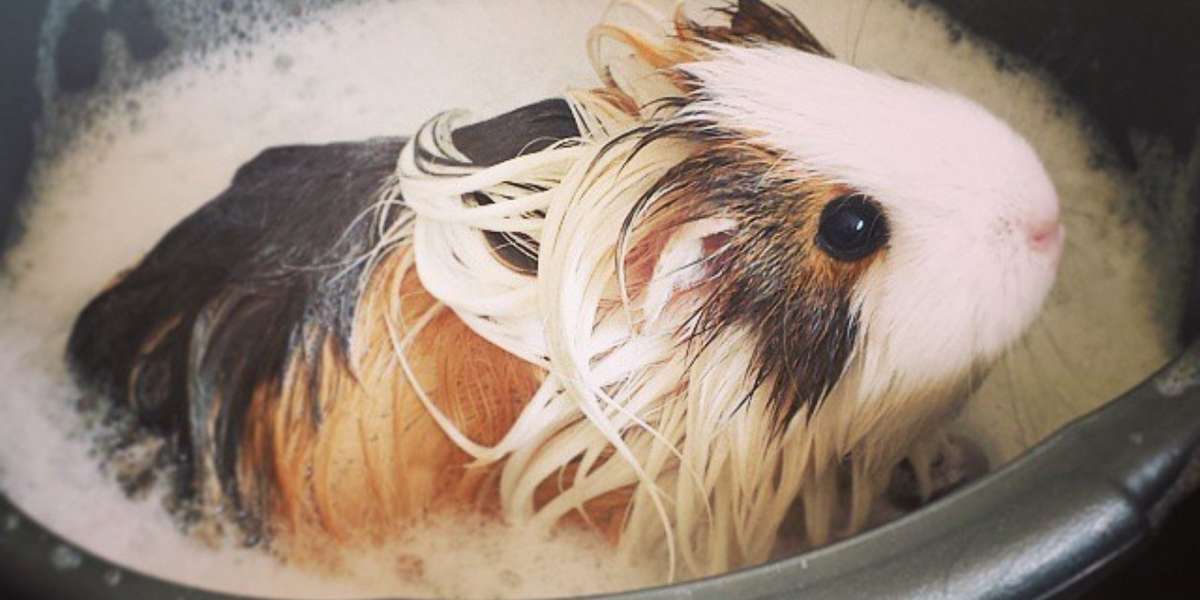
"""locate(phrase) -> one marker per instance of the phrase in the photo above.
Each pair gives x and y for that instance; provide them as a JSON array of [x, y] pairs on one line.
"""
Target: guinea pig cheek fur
[[944, 302]]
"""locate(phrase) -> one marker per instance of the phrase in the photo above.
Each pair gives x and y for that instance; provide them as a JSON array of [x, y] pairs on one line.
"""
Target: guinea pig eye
[[852, 227]]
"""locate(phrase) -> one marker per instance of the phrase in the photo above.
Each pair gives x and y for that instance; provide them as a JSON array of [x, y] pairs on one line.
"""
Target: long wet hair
[[630, 308]]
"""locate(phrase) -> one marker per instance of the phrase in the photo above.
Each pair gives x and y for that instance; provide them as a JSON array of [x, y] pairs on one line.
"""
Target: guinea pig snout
[[1046, 236]]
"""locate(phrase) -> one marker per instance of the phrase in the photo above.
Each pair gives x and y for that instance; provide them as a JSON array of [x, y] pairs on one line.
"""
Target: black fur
[[264, 272], [804, 326], [230, 294], [522, 131], [267, 272]]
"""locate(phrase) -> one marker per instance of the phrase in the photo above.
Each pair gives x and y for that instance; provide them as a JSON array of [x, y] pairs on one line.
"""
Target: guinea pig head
[[923, 230]]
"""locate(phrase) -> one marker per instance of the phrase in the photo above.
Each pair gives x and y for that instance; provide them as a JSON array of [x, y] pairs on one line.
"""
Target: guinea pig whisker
[[1014, 399], [1045, 378], [1051, 413], [1085, 384], [1032, 369]]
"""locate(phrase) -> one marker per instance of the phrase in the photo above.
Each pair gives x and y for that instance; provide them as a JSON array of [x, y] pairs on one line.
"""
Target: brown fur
[[377, 458], [771, 277], [377, 461], [336, 443]]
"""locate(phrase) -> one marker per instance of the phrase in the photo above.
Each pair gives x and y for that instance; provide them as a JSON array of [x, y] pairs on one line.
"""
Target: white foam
[[382, 68]]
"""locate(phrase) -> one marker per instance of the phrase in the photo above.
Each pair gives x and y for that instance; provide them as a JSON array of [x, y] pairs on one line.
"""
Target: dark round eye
[[852, 227]]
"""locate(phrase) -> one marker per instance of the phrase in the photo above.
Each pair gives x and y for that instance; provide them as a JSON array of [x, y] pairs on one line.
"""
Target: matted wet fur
[[621, 309], [235, 330]]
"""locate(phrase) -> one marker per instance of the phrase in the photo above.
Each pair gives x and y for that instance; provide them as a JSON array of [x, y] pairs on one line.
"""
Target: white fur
[[957, 283], [960, 190]]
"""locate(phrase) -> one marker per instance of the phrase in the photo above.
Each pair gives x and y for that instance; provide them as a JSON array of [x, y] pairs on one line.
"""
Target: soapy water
[[118, 168]]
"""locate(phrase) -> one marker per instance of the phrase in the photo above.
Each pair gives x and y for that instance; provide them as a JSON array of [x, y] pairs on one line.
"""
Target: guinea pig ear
[[754, 22]]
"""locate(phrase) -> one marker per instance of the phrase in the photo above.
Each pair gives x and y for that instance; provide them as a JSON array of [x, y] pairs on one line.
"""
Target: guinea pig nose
[[1046, 236]]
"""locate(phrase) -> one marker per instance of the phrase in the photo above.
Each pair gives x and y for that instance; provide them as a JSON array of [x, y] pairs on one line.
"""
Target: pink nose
[[1046, 236]]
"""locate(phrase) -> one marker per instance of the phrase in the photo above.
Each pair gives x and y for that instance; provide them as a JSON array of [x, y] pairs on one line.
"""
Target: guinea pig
[[738, 278]]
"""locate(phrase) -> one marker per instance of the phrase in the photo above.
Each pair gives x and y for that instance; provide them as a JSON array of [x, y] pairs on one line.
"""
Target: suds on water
[[117, 171]]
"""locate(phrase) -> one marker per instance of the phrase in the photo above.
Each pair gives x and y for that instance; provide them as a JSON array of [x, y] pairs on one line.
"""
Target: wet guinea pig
[[740, 279]]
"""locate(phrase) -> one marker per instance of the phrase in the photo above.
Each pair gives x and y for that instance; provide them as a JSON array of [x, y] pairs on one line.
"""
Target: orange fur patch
[[375, 460]]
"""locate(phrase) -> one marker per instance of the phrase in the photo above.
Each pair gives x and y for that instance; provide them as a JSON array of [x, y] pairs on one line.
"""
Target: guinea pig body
[[669, 308]]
